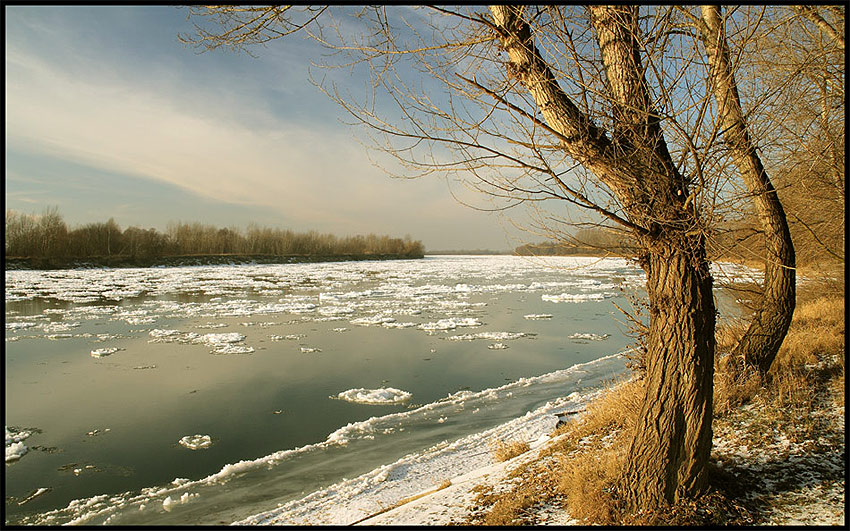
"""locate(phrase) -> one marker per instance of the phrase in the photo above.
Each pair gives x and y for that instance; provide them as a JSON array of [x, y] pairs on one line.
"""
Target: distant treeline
[[469, 252], [586, 242], [47, 236]]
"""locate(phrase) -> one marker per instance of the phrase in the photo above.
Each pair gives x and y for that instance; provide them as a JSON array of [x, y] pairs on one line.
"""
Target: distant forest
[[586, 242], [47, 236]]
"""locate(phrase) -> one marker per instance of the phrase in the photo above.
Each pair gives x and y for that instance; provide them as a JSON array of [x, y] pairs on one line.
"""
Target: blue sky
[[109, 115]]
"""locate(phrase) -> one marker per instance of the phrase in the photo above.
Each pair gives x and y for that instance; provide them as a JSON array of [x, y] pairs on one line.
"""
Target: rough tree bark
[[672, 442], [770, 322]]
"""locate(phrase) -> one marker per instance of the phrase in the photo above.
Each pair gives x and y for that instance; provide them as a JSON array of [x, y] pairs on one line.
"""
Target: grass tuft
[[502, 451]]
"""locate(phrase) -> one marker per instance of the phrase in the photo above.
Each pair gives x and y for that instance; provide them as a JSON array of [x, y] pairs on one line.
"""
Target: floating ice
[[497, 346], [383, 396], [15, 448], [571, 297], [215, 339], [493, 336], [214, 325], [373, 320], [59, 327], [450, 324], [308, 350], [196, 442], [102, 352], [158, 333], [15, 451], [19, 325], [224, 343], [590, 337], [232, 349], [538, 316], [398, 325], [140, 320], [35, 494]]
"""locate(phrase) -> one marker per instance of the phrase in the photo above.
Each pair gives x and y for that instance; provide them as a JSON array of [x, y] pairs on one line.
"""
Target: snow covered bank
[[465, 463]]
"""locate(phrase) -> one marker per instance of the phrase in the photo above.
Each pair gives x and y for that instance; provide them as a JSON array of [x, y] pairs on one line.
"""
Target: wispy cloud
[[219, 136], [115, 127]]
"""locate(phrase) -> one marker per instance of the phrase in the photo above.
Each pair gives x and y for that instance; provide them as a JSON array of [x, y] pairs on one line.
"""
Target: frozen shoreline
[[381, 495]]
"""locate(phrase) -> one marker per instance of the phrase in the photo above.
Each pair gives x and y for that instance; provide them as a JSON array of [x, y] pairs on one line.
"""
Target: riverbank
[[190, 260], [778, 454]]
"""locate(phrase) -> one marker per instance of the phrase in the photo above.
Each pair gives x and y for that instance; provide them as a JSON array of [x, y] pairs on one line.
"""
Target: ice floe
[[232, 349], [372, 320], [15, 448], [224, 343], [576, 297], [493, 336], [450, 324], [196, 442], [103, 352], [590, 337], [382, 396], [159, 333], [34, 494], [538, 316]]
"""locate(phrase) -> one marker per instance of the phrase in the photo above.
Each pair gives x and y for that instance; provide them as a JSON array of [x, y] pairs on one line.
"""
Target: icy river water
[[204, 395]]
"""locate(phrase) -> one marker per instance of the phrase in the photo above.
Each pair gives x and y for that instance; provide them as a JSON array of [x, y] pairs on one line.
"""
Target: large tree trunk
[[772, 318], [673, 437], [672, 441]]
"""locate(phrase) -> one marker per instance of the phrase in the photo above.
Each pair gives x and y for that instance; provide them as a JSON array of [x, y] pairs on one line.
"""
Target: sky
[[108, 115]]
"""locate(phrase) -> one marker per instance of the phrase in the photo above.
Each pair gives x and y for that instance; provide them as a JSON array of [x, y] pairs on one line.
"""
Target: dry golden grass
[[509, 509], [816, 336], [815, 341], [616, 410], [588, 480], [502, 451], [594, 451], [734, 385]]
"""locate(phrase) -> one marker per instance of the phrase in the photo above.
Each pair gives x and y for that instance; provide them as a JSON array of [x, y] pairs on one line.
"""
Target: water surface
[[108, 369]]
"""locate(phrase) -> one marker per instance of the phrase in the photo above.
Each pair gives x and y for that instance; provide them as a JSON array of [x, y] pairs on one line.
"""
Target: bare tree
[[770, 322], [607, 110], [802, 62]]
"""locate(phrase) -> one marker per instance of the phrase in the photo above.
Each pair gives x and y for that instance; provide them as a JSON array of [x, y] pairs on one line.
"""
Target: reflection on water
[[107, 430]]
